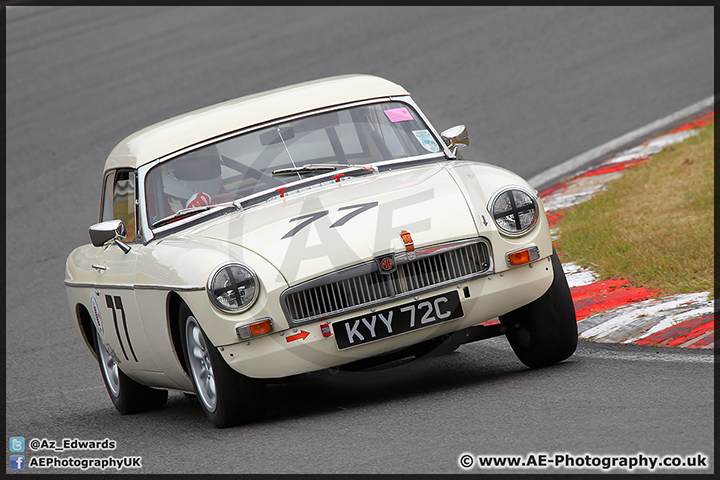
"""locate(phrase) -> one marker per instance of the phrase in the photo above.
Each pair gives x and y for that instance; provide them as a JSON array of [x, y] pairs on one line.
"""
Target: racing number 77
[[312, 217], [115, 303]]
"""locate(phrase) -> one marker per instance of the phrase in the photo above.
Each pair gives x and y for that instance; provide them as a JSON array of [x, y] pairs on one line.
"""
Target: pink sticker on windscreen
[[398, 114]]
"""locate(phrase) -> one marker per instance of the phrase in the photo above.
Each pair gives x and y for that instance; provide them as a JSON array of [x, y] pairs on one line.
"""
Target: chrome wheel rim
[[200, 364], [109, 368]]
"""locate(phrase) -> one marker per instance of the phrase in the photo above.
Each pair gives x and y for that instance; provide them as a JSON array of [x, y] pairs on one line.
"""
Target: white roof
[[178, 132]]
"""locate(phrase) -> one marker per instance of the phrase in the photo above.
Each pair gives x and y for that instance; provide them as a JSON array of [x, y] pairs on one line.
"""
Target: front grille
[[362, 286]]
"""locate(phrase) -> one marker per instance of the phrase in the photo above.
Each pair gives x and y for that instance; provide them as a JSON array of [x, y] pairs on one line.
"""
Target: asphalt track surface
[[535, 86]]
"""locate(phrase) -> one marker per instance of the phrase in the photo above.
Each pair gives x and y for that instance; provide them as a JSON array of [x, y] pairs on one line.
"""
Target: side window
[[119, 200], [107, 205]]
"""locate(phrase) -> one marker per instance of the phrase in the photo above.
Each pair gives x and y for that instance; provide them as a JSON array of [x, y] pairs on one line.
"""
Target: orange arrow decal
[[298, 336]]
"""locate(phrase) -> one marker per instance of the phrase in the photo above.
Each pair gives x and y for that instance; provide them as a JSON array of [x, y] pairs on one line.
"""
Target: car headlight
[[233, 287], [514, 210]]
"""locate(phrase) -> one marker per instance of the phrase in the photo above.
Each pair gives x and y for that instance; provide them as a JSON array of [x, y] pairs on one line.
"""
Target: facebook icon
[[17, 462]]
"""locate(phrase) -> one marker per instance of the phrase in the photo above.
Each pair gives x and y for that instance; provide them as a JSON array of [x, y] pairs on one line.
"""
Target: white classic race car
[[321, 225]]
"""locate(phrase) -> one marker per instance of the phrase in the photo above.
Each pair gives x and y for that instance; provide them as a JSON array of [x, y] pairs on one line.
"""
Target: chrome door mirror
[[456, 138], [103, 232]]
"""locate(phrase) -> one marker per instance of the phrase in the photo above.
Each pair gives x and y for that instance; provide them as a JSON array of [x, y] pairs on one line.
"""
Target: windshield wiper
[[309, 168], [321, 167], [187, 212]]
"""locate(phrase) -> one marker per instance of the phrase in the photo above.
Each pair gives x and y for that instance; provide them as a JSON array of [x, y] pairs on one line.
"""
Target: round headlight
[[233, 287], [514, 211]]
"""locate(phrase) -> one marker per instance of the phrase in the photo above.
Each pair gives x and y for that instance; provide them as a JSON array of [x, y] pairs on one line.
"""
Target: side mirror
[[456, 138], [103, 232]]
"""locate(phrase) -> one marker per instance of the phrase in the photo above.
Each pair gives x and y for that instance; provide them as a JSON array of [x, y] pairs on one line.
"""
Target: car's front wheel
[[544, 332], [127, 395], [227, 397]]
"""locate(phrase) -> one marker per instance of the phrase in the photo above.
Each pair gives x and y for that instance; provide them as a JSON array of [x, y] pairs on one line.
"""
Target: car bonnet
[[309, 233]]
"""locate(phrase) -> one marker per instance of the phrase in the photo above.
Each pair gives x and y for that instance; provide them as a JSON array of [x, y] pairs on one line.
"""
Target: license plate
[[396, 320]]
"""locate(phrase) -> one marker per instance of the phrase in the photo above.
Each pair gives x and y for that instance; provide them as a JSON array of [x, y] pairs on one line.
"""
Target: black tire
[[227, 397], [127, 395], [544, 332]]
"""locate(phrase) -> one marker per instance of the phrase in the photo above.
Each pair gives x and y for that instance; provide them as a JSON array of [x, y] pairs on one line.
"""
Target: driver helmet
[[195, 172]]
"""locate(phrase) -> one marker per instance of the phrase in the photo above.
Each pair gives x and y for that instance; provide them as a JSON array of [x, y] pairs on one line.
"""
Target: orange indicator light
[[262, 327], [518, 258]]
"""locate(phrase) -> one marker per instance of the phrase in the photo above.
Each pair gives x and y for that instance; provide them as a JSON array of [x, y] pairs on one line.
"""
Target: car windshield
[[269, 158]]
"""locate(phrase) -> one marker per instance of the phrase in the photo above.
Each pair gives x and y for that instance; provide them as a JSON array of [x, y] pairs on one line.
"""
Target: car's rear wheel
[[227, 397], [127, 395], [544, 332]]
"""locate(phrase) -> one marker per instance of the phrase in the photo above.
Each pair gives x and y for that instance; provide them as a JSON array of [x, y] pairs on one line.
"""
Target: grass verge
[[654, 226]]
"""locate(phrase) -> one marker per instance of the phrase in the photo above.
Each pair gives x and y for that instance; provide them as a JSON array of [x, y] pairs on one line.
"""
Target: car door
[[115, 292]]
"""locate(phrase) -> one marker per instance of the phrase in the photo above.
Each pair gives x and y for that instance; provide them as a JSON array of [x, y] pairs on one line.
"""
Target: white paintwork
[[578, 276]]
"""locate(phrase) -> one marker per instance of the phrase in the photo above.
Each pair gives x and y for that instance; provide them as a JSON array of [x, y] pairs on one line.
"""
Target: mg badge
[[386, 263]]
